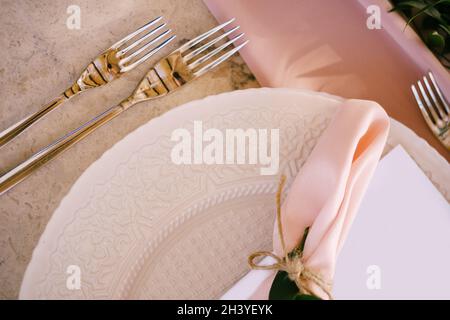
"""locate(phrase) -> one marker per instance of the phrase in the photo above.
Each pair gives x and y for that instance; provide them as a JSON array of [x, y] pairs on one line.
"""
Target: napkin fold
[[327, 191]]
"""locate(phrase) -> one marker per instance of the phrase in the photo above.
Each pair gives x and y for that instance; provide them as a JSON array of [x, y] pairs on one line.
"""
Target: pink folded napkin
[[327, 191]]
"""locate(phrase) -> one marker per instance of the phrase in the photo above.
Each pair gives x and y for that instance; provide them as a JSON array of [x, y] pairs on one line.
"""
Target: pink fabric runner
[[325, 45]]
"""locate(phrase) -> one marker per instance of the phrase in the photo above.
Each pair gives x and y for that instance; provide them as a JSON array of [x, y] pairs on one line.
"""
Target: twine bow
[[292, 263]]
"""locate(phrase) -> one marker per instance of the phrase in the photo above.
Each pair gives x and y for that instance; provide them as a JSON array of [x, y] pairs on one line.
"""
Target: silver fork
[[434, 108], [182, 66], [121, 57]]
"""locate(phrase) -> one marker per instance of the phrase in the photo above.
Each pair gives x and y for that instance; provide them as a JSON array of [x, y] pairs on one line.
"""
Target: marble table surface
[[41, 57]]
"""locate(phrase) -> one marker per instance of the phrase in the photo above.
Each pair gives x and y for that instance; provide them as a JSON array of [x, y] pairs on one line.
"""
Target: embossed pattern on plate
[[141, 227]]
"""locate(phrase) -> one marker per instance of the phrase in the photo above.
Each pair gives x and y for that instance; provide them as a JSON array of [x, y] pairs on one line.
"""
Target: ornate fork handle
[[24, 169], [166, 76], [98, 73], [121, 57], [13, 131]]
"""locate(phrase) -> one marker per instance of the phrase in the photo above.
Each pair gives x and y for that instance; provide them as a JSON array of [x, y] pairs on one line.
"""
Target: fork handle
[[23, 170], [17, 128]]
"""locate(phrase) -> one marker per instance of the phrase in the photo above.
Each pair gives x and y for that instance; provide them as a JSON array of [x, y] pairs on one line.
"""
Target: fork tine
[[133, 34], [437, 106], [147, 55], [203, 36], [422, 108], [438, 91], [219, 60], [140, 40], [197, 51], [214, 52], [140, 50], [428, 105]]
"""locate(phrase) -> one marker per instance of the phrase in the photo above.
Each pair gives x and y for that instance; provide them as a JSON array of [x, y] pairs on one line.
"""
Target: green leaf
[[430, 10], [435, 41], [305, 297], [299, 249], [302, 243], [420, 5], [283, 288], [445, 28]]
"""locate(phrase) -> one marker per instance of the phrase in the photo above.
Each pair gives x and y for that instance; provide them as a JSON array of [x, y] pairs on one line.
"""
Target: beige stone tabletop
[[41, 58]]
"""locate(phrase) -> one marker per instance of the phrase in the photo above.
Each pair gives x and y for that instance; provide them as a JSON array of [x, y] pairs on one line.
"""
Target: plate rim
[[95, 171]]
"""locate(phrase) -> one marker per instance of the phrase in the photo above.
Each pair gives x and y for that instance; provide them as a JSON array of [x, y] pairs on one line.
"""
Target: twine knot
[[292, 263]]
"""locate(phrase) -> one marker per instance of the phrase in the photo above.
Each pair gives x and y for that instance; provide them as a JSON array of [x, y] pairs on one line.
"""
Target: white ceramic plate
[[138, 226]]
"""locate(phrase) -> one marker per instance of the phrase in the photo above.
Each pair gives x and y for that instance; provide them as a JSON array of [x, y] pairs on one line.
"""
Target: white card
[[399, 244]]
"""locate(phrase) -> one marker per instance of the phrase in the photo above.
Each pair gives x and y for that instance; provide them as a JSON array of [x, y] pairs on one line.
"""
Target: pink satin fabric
[[327, 191], [325, 45]]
